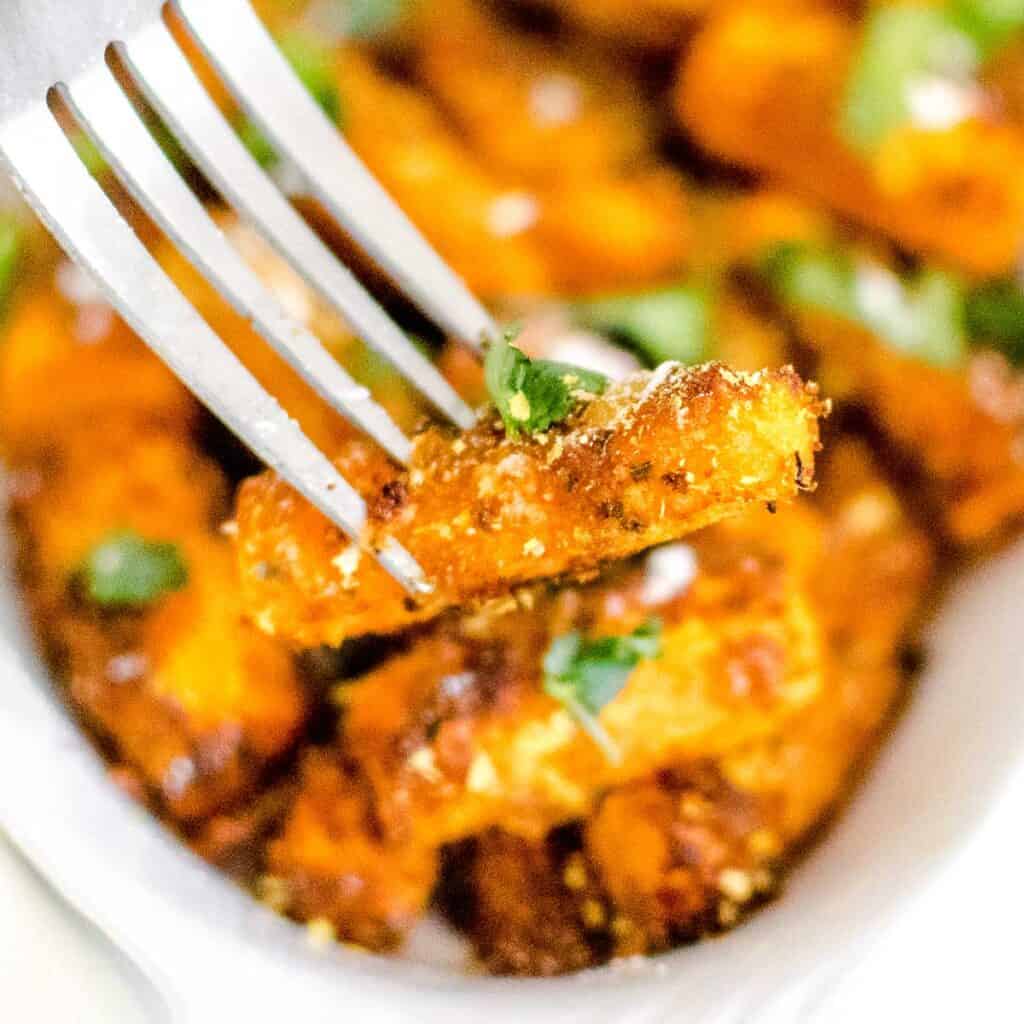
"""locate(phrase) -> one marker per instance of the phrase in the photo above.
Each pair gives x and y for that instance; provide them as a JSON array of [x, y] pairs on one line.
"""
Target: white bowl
[[214, 954]]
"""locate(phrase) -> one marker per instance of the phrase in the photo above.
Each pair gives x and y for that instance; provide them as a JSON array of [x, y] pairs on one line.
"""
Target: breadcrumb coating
[[657, 456]]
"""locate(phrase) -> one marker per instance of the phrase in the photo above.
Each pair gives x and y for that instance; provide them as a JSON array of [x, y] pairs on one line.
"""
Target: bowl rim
[[200, 939]]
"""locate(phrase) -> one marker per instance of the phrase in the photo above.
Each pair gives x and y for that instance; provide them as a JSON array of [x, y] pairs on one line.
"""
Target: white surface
[[954, 955], [53, 965]]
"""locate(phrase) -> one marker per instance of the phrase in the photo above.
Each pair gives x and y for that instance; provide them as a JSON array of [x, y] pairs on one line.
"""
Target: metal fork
[[63, 47]]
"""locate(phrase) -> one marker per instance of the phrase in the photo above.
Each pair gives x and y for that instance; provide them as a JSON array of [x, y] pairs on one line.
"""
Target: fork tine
[[78, 213], [234, 39], [102, 107], [170, 85]]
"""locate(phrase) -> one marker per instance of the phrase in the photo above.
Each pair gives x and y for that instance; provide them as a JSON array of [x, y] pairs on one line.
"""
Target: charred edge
[[393, 495], [802, 483]]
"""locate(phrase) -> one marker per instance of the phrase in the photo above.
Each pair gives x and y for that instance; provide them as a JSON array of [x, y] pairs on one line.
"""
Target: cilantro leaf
[[663, 324], [802, 275], [532, 394], [128, 571], [902, 45], [921, 316], [368, 19], [990, 23], [924, 317], [585, 675], [10, 252], [995, 315], [313, 61]]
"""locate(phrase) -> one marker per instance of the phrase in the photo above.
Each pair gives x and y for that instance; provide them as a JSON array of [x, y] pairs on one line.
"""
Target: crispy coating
[[869, 577], [761, 86], [330, 862], [962, 425], [523, 918], [457, 734], [655, 457], [191, 698], [112, 474], [662, 860], [64, 362], [699, 855], [187, 694], [707, 837]]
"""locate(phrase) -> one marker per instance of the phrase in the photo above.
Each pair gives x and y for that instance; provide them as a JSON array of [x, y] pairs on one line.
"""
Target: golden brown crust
[[185, 693], [699, 856], [656, 457], [963, 426], [62, 366], [457, 734], [330, 862], [523, 919], [762, 85], [191, 698], [707, 838]]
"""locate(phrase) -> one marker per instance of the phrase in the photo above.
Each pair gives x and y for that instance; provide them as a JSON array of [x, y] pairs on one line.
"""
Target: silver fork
[[63, 47]]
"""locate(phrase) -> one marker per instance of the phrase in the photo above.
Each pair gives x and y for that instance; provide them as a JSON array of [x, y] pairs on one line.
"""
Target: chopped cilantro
[[995, 316], [126, 570], [921, 317], [803, 275], [532, 394], [313, 62], [664, 324], [902, 45], [990, 23], [585, 675], [10, 252], [370, 18]]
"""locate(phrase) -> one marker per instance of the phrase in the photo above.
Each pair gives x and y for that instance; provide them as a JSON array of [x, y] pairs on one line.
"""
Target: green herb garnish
[[664, 324], [902, 45], [10, 253], [585, 675], [127, 571], [922, 316], [989, 23], [367, 19], [995, 316], [819, 278], [907, 45], [532, 394], [313, 61]]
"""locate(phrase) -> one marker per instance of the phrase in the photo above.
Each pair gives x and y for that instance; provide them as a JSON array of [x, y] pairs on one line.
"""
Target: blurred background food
[[761, 182]]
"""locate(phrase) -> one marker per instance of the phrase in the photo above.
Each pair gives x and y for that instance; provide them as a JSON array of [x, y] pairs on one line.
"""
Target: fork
[[62, 51]]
